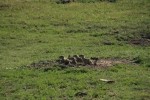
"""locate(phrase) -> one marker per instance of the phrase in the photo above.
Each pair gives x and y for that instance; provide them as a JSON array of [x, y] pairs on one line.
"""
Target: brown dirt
[[42, 64], [111, 61], [4, 6], [101, 63], [141, 42]]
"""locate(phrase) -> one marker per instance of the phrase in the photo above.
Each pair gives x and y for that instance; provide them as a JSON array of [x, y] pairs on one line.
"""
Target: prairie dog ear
[[61, 57], [82, 56], [69, 56]]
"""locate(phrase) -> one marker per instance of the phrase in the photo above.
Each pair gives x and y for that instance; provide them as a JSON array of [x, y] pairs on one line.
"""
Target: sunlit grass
[[33, 30]]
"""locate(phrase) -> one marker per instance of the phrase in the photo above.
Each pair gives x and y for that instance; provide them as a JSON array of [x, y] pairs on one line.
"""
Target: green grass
[[61, 84], [33, 30]]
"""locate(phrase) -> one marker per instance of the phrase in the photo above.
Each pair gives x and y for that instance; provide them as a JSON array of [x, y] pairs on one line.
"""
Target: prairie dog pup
[[64, 60], [95, 60], [86, 61], [79, 59], [72, 60]]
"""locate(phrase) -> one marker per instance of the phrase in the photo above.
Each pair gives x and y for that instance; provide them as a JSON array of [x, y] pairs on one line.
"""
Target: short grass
[[33, 30]]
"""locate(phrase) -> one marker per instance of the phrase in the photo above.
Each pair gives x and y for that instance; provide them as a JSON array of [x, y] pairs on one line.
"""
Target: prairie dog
[[64, 60], [78, 59], [86, 61], [95, 60]]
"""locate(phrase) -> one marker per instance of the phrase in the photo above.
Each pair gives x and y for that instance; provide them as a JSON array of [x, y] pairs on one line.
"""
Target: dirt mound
[[142, 42], [76, 61], [107, 62], [4, 6], [64, 1], [42, 64]]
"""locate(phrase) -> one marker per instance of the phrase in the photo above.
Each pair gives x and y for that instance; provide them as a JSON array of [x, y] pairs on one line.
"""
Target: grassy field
[[34, 30]]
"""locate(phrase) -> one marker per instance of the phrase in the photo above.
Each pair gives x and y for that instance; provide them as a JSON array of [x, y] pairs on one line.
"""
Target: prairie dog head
[[82, 56], [61, 57]]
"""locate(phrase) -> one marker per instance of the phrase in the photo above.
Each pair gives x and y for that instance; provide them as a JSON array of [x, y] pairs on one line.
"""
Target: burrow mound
[[83, 1], [81, 60], [142, 42]]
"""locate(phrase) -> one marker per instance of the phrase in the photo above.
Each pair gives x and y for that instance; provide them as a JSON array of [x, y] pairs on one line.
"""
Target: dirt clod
[[81, 94]]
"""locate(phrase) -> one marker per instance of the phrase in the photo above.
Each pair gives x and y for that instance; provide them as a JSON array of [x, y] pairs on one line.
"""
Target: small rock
[[107, 81]]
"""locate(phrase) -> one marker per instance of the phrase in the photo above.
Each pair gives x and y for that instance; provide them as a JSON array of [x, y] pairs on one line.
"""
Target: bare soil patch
[[141, 42], [72, 62], [42, 64], [108, 62], [4, 6]]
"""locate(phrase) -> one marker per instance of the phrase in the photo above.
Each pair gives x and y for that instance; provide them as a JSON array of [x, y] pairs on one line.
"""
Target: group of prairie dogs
[[77, 60]]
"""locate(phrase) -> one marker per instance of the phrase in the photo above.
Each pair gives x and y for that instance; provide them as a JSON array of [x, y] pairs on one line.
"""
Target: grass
[[64, 84], [33, 30]]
